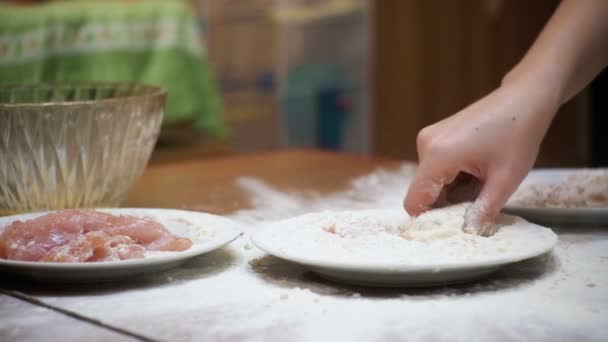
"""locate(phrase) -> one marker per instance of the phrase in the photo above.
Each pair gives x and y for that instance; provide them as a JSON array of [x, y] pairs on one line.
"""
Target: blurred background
[[244, 76]]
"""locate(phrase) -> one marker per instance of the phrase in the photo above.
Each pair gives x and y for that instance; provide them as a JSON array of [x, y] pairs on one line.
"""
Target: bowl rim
[[151, 90]]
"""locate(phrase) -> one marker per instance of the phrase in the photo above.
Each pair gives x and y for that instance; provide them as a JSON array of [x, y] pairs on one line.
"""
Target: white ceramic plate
[[333, 258], [207, 232], [556, 216]]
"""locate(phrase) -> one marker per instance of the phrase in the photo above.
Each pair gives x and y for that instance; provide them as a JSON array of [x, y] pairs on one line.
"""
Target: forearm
[[571, 50]]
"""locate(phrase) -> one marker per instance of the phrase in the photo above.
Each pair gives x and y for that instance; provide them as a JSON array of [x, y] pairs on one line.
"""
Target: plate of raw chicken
[[562, 197], [107, 244]]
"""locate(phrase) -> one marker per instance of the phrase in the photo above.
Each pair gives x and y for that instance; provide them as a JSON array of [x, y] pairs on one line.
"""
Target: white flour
[[587, 188], [239, 294], [381, 189], [391, 238]]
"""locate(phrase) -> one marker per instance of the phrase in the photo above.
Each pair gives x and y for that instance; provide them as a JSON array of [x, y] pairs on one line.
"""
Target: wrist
[[548, 87], [533, 103]]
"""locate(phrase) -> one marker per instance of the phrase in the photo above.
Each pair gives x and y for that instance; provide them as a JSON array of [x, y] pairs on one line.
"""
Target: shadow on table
[[289, 275], [200, 267]]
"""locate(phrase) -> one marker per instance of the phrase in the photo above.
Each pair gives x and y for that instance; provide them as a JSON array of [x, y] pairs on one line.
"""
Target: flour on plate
[[390, 237], [580, 189]]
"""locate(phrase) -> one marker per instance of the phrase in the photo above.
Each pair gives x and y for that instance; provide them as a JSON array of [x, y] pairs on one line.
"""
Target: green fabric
[[152, 42]]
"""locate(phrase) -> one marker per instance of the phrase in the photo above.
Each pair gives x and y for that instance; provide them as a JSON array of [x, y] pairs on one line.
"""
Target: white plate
[[325, 255], [207, 232], [556, 216]]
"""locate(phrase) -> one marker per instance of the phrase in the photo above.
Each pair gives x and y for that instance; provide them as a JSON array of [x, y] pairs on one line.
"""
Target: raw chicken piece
[[111, 248], [77, 250], [170, 243], [96, 246], [142, 230], [32, 239], [146, 232], [86, 235]]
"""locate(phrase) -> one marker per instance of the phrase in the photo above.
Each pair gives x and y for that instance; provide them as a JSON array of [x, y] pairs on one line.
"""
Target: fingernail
[[474, 220], [471, 215]]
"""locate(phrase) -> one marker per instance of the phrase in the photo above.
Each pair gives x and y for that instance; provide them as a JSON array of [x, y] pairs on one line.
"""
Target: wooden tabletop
[[209, 185], [238, 293], [202, 185]]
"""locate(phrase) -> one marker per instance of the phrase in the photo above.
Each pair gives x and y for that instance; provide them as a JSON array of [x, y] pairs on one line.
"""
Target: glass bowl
[[74, 145]]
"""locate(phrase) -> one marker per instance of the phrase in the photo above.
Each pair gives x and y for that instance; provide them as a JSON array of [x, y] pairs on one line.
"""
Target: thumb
[[479, 217]]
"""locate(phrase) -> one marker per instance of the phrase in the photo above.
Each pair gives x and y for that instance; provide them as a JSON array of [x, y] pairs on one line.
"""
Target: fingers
[[494, 194], [465, 188], [426, 187]]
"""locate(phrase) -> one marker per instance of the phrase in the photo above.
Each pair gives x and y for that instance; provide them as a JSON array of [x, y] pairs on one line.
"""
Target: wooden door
[[434, 57]]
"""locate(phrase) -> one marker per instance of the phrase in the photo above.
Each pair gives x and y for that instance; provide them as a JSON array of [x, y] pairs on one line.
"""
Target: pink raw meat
[[77, 250], [86, 235], [111, 248], [96, 246], [32, 239], [144, 231]]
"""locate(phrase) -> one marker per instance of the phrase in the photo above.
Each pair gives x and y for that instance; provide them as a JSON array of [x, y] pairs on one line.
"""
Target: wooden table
[[237, 294], [209, 185]]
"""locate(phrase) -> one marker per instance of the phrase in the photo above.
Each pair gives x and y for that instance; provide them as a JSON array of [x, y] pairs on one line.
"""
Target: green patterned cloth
[[153, 42]]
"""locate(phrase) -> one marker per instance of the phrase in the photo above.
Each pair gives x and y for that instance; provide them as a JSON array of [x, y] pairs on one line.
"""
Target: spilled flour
[[381, 189], [238, 293], [391, 238]]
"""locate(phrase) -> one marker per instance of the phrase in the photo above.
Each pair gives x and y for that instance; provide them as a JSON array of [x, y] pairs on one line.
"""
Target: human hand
[[481, 153]]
